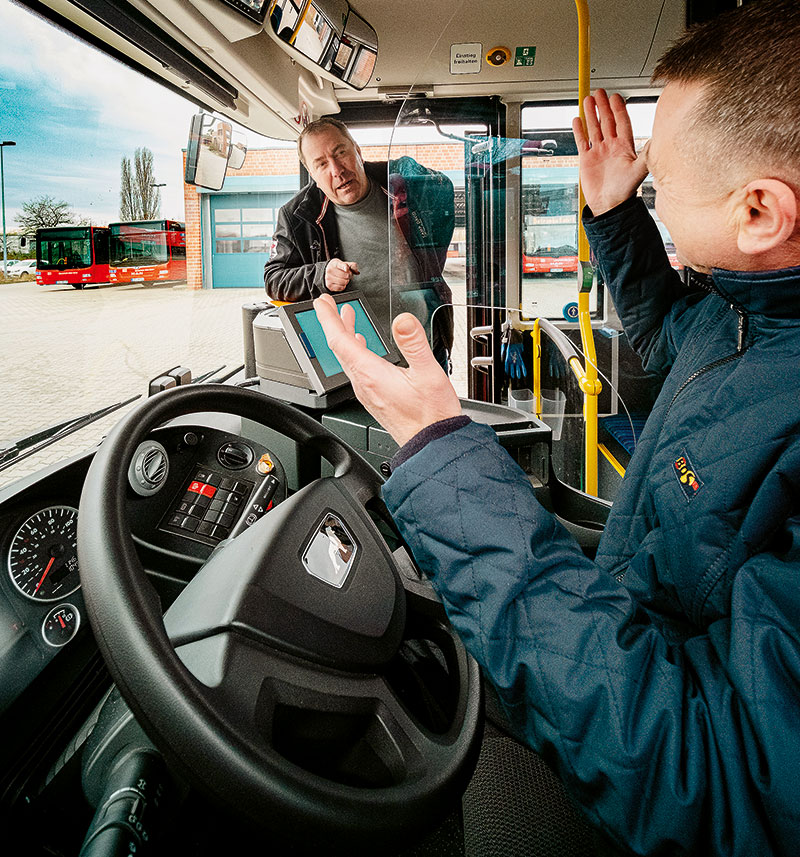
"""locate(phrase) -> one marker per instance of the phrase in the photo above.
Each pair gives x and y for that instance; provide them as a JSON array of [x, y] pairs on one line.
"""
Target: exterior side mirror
[[208, 151]]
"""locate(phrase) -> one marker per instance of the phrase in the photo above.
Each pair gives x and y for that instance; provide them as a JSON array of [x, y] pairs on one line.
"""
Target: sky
[[74, 113]]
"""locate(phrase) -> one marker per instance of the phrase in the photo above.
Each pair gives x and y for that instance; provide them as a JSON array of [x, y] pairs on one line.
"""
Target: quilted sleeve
[[670, 748]]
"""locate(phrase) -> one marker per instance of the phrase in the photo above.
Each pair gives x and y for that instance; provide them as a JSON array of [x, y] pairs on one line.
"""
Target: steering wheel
[[284, 681]]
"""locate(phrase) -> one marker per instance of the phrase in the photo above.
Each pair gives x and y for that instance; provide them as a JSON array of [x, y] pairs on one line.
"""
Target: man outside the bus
[[335, 234], [661, 680]]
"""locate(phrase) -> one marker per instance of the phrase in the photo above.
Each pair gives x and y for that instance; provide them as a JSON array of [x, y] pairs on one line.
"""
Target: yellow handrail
[[588, 380], [585, 373]]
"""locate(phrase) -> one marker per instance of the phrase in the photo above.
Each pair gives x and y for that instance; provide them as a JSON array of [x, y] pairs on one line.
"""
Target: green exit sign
[[525, 56]]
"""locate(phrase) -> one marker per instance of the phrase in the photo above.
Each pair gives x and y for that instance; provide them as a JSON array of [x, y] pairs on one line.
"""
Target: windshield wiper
[[32, 443]]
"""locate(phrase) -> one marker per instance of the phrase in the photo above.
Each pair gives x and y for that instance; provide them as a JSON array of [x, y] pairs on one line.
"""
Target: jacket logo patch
[[686, 475]]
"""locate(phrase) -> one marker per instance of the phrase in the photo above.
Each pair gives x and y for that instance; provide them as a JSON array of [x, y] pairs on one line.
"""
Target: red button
[[197, 487], [208, 490]]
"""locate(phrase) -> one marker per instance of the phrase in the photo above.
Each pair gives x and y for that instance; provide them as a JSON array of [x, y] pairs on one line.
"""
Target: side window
[[549, 207]]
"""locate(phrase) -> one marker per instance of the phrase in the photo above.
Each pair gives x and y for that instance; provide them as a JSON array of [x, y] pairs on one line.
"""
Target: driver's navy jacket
[[306, 237], [663, 679]]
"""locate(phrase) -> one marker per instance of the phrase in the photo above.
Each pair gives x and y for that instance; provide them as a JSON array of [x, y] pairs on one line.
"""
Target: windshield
[[138, 243], [481, 226], [72, 346], [68, 248]]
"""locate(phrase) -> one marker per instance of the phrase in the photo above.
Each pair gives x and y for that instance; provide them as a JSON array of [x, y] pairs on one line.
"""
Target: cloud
[[74, 113]]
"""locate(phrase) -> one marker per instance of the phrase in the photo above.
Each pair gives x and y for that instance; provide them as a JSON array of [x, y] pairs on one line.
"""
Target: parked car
[[22, 266]]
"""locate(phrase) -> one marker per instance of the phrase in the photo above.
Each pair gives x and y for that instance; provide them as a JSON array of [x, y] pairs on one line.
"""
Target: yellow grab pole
[[536, 333], [591, 388]]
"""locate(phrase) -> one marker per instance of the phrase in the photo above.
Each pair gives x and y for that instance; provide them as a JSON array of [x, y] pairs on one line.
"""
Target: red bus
[[147, 251], [550, 246], [72, 255]]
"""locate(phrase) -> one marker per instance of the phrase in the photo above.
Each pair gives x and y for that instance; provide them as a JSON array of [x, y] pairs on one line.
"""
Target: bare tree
[[44, 211], [126, 200], [138, 198]]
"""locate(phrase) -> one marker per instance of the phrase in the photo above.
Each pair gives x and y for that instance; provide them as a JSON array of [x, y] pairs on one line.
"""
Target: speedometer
[[43, 559]]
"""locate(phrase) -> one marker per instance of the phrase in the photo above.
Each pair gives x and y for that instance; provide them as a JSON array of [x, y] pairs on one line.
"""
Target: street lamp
[[3, 197], [158, 184]]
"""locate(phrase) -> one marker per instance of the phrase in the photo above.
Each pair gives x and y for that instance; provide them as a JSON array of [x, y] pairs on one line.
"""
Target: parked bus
[[72, 255], [147, 251]]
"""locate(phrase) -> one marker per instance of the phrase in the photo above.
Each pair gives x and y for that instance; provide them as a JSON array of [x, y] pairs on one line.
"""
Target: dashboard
[[191, 486]]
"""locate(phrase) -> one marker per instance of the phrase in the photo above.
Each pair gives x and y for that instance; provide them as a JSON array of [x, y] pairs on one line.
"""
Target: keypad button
[[190, 524], [205, 528], [227, 518]]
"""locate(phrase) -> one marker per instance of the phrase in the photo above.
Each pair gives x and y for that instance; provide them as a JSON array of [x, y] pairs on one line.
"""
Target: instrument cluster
[[189, 489]]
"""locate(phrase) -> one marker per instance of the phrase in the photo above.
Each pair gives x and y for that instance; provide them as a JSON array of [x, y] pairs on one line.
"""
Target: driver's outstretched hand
[[404, 401]]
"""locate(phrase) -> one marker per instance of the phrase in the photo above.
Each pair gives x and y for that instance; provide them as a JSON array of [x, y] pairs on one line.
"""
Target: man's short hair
[[748, 61], [320, 125]]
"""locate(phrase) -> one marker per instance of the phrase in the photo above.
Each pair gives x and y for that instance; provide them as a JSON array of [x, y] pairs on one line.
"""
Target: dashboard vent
[[235, 455], [154, 466], [149, 468]]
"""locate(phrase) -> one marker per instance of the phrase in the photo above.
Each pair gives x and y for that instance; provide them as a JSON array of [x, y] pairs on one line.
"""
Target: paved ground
[[66, 352]]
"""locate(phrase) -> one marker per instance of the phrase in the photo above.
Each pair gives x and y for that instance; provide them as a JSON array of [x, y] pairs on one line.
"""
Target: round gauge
[[60, 625], [43, 559]]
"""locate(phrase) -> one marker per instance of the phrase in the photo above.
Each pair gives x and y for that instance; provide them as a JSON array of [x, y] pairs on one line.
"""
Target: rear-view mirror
[[208, 151], [238, 151]]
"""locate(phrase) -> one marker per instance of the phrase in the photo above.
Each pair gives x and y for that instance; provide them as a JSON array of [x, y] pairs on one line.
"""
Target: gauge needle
[[41, 579]]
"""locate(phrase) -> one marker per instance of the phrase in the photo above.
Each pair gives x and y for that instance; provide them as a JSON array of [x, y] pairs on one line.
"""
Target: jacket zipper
[[742, 329], [740, 349]]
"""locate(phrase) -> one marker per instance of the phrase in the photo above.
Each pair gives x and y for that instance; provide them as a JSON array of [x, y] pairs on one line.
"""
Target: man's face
[[335, 164], [693, 203]]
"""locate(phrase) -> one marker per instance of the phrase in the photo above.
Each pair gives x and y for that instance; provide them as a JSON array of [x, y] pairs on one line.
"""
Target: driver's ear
[[767, 216]]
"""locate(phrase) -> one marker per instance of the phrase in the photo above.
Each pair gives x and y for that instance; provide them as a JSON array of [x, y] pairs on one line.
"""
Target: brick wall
[[275, 162]]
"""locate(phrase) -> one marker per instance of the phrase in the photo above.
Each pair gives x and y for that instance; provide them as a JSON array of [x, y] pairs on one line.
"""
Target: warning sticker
[[466, 59], [525, 56]]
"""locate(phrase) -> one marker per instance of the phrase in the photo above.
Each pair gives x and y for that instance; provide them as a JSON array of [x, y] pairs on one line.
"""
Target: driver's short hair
[[748, 62], [320, 125]]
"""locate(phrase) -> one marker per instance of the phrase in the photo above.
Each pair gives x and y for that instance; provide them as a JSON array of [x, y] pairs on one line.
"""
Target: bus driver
[[662, 680]]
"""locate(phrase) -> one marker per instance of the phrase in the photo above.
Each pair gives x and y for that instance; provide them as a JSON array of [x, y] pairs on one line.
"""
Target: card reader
[[293, 360]]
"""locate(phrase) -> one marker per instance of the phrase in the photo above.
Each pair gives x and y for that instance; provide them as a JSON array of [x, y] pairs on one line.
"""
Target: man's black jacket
[[306, 236]]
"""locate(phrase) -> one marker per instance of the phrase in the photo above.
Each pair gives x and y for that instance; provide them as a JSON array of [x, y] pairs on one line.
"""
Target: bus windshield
[[138, 243], [64, 248]]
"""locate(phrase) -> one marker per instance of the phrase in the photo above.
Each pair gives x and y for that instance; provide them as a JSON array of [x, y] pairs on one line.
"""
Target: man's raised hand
[[610, 169]]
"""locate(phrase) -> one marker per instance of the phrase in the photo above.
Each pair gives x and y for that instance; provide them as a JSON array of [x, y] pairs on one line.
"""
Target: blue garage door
[[241, 234]]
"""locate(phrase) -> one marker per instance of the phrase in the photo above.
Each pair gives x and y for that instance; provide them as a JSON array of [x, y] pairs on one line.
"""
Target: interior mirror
[[330, 34], [238, 151], [207, 151]]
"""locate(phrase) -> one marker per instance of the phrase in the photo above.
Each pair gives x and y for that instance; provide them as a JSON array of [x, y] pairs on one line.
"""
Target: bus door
[[452, 229]]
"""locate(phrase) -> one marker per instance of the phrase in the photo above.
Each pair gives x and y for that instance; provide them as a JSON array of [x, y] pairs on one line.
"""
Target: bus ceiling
[[270, 65]]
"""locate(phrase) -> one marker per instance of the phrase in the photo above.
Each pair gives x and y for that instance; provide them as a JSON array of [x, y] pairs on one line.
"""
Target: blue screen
[[316, 345]]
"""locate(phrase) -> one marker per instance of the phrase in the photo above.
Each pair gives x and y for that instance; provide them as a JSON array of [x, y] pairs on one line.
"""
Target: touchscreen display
[[316, 346]]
